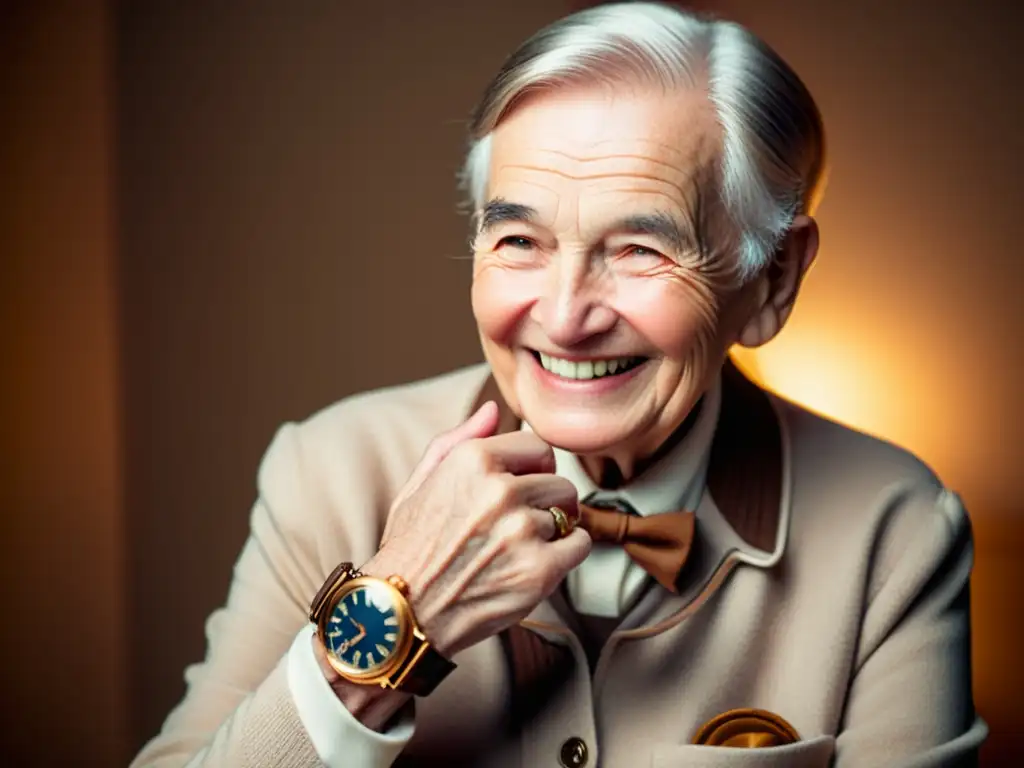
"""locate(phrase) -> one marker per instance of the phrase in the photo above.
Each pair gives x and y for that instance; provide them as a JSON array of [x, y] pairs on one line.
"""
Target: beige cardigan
[[853, 625]]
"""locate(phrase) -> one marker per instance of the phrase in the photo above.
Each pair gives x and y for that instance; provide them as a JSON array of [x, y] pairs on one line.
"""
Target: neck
[[610, 473]]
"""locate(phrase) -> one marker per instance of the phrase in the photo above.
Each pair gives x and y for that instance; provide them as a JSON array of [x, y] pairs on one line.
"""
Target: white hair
[[773, 144]]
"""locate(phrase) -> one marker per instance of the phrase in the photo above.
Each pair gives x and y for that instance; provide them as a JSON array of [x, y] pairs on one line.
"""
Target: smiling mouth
[[585, 370]]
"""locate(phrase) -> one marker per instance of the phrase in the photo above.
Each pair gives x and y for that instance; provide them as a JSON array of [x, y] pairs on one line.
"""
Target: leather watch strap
[[317, 606], [427, 672]]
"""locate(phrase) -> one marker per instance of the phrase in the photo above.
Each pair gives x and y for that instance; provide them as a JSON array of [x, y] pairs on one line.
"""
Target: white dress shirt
[[337, 736], [606, 584]]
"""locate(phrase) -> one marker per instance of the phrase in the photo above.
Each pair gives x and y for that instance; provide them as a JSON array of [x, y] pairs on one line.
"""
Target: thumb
[[483, 423]]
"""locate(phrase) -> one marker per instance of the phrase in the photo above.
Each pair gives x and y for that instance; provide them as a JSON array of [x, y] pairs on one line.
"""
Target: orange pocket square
[[746, 728]]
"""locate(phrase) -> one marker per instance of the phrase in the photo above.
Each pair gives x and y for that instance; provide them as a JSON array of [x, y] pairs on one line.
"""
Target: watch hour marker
[[391, 637], [344, 609], [334, 634], [355, 658], [355, 598], [391, 621], [369, 659], [336, 619], [382, 650]]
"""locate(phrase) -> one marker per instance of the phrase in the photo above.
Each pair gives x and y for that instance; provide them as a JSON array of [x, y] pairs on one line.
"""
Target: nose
[[574, 306]]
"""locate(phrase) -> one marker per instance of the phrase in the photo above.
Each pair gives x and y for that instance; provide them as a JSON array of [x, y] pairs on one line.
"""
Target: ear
[[779, 282]]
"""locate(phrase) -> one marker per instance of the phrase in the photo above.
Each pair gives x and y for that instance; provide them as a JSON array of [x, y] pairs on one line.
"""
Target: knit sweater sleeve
[[239, 709]]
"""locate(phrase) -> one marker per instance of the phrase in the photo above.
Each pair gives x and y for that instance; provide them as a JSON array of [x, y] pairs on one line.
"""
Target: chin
[[578, 432]]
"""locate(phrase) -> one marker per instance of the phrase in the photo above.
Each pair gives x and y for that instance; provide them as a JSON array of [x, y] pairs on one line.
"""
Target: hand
[[471, 535]]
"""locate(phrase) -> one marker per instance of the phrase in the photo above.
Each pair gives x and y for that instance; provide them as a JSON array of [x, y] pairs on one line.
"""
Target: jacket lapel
[[745, 471]]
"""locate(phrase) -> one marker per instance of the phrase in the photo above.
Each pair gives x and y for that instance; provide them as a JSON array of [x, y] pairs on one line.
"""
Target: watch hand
[[362, 631]]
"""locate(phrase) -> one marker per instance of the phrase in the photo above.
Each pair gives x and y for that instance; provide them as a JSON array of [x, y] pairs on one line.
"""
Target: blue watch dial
[[362, 630]]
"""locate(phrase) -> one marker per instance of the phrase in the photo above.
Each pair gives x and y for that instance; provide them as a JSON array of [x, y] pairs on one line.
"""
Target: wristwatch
[[370, 634]]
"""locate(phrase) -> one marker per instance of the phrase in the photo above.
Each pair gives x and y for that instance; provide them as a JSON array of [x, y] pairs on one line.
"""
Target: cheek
[[501, 297], [673, 316]]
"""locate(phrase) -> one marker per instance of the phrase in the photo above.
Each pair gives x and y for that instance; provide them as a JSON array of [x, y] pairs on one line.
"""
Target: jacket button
[[573, 753]]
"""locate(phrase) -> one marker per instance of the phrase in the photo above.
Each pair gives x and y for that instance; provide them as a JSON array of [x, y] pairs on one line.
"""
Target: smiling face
[[601, 312]]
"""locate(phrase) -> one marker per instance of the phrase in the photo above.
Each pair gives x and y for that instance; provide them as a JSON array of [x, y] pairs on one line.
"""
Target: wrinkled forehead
[[647, 146]]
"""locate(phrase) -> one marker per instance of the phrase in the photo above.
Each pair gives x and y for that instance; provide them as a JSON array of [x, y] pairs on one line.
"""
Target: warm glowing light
[[869, 378], [826, 380]]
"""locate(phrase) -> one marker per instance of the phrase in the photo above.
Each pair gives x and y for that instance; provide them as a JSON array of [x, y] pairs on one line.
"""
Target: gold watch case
[[393, 591]]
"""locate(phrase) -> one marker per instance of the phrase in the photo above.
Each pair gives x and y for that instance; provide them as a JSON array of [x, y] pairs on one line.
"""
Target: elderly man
[[605, 546]]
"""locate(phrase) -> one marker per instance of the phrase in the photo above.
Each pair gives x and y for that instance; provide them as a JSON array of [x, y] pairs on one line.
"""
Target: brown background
[[216, 218]]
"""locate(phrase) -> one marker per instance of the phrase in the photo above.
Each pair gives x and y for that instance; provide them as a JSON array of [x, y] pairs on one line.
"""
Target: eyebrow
[[499, 211], [660, 224]]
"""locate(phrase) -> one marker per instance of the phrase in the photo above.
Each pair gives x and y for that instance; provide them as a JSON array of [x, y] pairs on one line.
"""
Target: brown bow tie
[[659, 543]]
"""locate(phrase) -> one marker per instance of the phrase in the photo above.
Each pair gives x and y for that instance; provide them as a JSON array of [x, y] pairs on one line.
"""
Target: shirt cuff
[[340, 740]]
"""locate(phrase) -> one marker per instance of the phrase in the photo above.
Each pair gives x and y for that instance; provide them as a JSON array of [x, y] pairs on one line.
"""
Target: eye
[[515, 241], [641, 250]]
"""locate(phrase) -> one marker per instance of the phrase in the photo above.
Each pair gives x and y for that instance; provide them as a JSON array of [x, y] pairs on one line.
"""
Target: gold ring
[[563, 523]]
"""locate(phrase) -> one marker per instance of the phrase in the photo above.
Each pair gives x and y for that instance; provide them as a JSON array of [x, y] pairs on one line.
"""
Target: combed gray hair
[[773, 141]]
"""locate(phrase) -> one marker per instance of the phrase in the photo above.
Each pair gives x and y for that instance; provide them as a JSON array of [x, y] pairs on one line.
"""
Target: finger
[[483, 423], [542, 522], [519, 453], [569, 552], [526, 523], [542, 491]]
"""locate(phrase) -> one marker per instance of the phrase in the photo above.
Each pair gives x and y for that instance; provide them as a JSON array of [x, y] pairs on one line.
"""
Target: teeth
[[586, 369]]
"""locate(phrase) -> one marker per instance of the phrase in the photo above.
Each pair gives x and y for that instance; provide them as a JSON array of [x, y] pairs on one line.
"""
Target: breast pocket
[[813, 753]]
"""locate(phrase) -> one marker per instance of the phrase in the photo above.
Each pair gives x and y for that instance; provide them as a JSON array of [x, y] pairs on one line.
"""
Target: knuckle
[[565, 489], [491, 499], [520, 526], [474, 456], [439, 443], [436, 450], [548, 454], [501, 493], [513, 528], [545, 453]]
